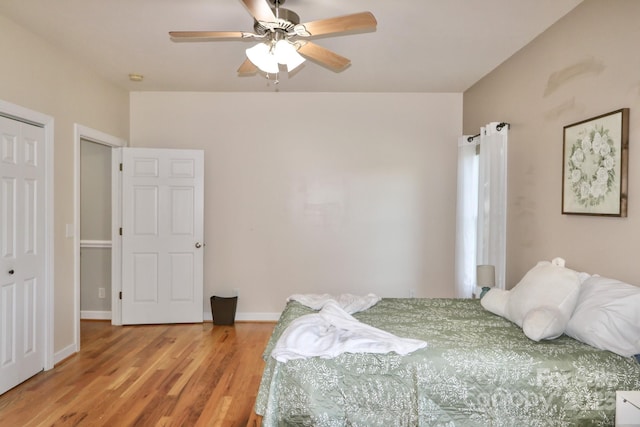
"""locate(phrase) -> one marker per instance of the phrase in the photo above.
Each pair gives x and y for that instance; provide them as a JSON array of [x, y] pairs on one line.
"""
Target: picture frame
[[595, 165]]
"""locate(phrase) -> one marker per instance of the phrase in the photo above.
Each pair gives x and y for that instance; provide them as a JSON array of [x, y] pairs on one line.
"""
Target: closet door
[[22, 251]]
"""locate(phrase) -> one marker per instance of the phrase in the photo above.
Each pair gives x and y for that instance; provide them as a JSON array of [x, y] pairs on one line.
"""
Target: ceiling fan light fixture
[[262, 58], [267, 56], [286, 54]]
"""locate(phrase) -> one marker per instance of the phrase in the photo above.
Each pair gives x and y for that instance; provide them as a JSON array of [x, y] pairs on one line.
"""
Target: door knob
[[198, 245], [11, 272]]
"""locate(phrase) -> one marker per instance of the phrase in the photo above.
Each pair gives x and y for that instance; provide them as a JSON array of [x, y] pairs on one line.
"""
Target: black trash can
[[223, 310]]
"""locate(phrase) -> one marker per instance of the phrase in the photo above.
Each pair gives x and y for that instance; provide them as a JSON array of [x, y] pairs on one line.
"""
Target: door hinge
[[120, 294], [121, 231], [120, 167]]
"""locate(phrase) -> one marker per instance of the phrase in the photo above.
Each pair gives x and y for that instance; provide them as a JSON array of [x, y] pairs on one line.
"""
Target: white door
[[22, 257], [162, 235]]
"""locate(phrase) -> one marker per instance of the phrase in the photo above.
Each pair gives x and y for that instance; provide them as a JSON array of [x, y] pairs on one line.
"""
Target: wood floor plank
[[151, 375]]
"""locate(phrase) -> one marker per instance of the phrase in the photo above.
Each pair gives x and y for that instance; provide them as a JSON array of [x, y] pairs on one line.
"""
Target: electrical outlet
[[101, 293], [412, 293], [236, 292]]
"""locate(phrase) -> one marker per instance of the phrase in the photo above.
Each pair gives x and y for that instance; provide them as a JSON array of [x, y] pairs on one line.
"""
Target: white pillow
[[607, 316], [541, 303], [495, 301], [548, 284], [544, 322]]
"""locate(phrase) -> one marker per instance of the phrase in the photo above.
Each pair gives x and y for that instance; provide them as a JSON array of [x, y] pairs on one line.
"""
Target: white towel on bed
[[349, 302], [333, 331]]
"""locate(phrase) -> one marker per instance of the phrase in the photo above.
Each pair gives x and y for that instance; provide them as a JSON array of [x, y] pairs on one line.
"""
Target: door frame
[[81, 132], [46, 122]]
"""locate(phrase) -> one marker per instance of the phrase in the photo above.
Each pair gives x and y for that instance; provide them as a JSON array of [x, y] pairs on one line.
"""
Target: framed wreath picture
[[595, 165]]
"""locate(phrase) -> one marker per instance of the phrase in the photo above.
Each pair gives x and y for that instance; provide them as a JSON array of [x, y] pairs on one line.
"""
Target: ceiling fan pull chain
[[276, 75]]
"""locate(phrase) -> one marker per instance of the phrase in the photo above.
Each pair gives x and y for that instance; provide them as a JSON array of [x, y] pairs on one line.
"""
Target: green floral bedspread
[[478, 370]]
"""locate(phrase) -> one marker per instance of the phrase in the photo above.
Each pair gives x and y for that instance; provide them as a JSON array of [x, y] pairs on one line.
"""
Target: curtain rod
[[499, 127]]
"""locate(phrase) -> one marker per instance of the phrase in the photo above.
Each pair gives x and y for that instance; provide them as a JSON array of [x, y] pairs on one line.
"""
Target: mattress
[[478, 369]]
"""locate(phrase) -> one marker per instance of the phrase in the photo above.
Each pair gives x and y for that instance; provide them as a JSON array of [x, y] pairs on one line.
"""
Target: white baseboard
[[95, 315], [59, 356], [248, 317]]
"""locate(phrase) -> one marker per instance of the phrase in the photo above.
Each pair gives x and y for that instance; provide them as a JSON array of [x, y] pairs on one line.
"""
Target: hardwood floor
[[158, 375]]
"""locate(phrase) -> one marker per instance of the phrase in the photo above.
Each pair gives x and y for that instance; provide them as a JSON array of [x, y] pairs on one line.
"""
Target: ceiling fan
[[283, 40]]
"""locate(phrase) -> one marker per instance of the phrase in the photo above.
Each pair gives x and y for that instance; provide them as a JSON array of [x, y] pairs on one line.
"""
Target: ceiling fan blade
[[341, 24], [324, 56], [260, 10], [247, 68], [193, 36]]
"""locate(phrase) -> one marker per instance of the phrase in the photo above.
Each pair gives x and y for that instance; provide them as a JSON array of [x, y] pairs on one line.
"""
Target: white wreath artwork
[[591, 166]]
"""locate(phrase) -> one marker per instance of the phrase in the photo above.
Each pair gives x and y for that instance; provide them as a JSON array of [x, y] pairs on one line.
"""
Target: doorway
[[95, 230], [97, 251]]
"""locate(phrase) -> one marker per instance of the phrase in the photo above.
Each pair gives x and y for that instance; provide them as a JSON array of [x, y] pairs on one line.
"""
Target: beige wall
[[95, 273], [40, 77], [317, 192], [585, 65]]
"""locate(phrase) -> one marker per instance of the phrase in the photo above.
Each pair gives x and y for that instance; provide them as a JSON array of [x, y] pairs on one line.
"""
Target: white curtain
[[482, 206], [466, 216]]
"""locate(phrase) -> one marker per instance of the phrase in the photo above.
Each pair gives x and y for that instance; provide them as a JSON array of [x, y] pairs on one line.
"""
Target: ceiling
[[419, 45]]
